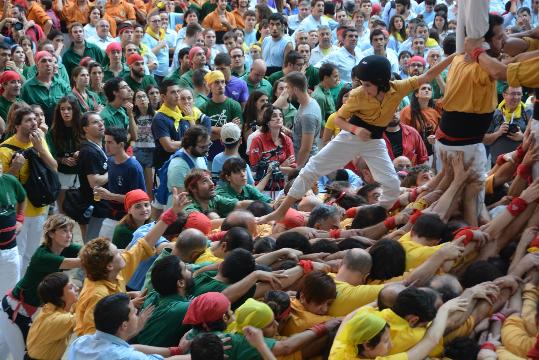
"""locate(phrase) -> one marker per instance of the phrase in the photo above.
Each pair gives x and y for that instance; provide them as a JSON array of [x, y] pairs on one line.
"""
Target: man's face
[[401, 9], [302, 37], [535, 5], [28, 125], [422, 31], [230, 43], [46, 65], [138, 68], [305, 51], [416, 68], [276, 28], [243, 3], [132, 323], [12, 88], [5, 56], [402, 163], [126, 35], [225, 70], [496, 43], [313, 38], [304, 11], [95, 127], [202, 147], [199, 59], [111, 146], [512, 97], [138, 33], [115, 56], [77, 34], [418, 46], [250, 22], [318, 9], [298, 65], [205, 188], [257, 74], [15, 13], [191, 18], [378, 42], [172, 96], [221, 4], [103, 28], [155, 23], [164, 20], [350, 40], [218, 87], [209, 39], [335, 78], [434, 57], [184, 61], [123, 91], [341, 17], [366, 8], [130, 50], [238, 59]]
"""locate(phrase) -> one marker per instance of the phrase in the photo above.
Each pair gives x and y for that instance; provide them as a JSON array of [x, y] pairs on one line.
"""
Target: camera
[[513, 128], [264, 165], [18, 26]]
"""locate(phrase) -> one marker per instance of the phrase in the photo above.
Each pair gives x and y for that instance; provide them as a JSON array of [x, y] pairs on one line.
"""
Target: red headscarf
[[292, 219], [8, 75], [206, 308], [197, 220], [133, 197]]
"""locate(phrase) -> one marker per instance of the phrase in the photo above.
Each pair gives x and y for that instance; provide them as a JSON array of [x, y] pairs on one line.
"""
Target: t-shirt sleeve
[[160, 129], [72, 251], [244, 95], [224, 205], [404, 87], [177, 171], [88, 163], [309, 124], [257, 195], [20, 193], [46, 261]]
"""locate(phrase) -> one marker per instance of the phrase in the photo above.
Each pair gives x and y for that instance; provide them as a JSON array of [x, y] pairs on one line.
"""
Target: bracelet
[[415, 215], [319, 329], [466, 231], [476, 53], [519, 155], [488, 346], [169, 216], [395, 206], [413, 195], [499, 316], [175, 350], [335, 233], [534, 245], [524, 171], [390, 223], [351, 213], [307, 265], [19, 218], [517, 206], [353, 129]]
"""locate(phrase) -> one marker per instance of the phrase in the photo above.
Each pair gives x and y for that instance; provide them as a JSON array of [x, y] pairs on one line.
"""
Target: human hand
[[362, 133], [179, 200], [503, 129], [128, 106], [36, 137], [516, 136], [531, 193], [17, 160], [138, 298], [531, 156]]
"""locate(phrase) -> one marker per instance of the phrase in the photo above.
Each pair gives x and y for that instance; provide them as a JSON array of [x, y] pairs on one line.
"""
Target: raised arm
[[436, 70]]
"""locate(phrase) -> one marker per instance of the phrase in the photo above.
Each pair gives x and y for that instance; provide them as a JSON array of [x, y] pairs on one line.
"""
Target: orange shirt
[[38, 14], [212, 21], [431, 116], [122, 10], [240, 22], [73, 12]]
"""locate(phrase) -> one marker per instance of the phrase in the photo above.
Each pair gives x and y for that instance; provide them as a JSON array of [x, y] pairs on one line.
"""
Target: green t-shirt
[[11, 193], [43, 263], [71, 59], [222, 113], [34, 92], [114, 117], [249, 192], [219, 204], [108, 74], [31, 71], [240, 348], [164, 328], [66, 149], [5, 104], [175, 75], [275, 76], [135, 86], [325, 100], [122, 236], [311, 73], [200, 100], [264, 85], [289, 115], [186, 80], [205, 282]]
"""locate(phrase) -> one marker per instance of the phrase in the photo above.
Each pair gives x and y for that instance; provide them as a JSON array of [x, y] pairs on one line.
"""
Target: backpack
[[43, 185], [161, 192]]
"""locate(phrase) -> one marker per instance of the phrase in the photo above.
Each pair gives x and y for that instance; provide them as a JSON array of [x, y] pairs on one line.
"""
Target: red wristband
[[175, 350], [500, 160], [488, 346], [19, 218], [389, 223], [519, 154], [524, 171], [335, 233], [415, 215], [466, 231], [413, 195], [351, 213], [395, 206], [517, 206], [307, 266], [319, 329], [476, 52], [169, 216]]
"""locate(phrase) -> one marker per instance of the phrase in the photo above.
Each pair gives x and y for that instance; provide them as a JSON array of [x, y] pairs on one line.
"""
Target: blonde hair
[[53, 223]]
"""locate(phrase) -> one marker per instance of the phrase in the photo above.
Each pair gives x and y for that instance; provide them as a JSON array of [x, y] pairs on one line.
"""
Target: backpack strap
[[12, 147], [186, 158]]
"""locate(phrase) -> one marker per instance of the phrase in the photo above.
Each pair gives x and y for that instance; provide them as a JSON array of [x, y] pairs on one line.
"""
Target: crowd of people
[[261, 179]]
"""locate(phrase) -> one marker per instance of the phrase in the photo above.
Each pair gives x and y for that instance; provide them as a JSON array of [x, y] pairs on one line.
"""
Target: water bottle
[[88, 212]]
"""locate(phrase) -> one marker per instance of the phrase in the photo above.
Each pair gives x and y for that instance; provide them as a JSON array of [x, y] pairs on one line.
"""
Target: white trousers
[[472, 20], [10, 269], [29, 239], [339, 152], [12, 336]]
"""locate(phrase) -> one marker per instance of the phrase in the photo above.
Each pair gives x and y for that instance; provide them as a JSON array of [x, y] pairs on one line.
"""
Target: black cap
[[375, 69]]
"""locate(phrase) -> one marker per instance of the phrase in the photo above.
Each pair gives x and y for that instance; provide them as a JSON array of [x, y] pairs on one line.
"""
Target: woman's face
[[95, 15], [439, 22], [270, 330], [403, 61], [345, 97], [57, 41], [423, 177], [186, 99], [280, 88], [318, 309], [238, 178], [263, 100], [154, 96], [96, 76], [140, 211], [424, 92], [83, 79], [18, 55], [141, 99], [70, 294], [369, 88], [61, 237], [276, 121], [397, 23], [66, 111], [40, 115], [26, 45]]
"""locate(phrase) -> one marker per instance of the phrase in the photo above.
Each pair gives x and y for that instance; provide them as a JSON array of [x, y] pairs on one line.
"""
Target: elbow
[[282, 348]]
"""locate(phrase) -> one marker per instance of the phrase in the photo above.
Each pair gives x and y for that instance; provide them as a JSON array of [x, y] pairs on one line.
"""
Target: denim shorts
[[144, 156]]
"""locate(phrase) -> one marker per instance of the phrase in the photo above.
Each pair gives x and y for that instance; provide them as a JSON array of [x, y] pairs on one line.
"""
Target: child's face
[[250, 22], [318, 309]]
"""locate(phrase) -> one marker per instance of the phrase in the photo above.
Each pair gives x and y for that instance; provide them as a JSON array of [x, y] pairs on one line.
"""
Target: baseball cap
[[230, 133]]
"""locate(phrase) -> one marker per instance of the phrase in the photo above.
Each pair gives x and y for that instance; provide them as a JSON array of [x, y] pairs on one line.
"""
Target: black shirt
[[92, 160], [395, 139]]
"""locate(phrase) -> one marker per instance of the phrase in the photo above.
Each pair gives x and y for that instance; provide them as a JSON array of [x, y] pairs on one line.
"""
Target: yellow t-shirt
[[6, 155], [350, 297], [515, 337], [50, 333], [469, 88], [372, 111], [207, 256], [330, 124], [525, 73], [533, 44], [93, 291], [416, 254], [301, 319], [341, 351]]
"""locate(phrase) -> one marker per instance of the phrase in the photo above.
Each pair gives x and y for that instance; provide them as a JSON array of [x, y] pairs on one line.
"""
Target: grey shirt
[[307, 121]]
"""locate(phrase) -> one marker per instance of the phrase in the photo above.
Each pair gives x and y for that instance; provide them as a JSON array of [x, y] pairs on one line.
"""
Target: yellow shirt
[[93, 291], [416, 254], [350, 297], [373, 111], [515, 338], [525, 73], [533, 44], [504, 354], [207, 256], [330, 124], [50, 333], [301, 319], [5, 157], [469, 88], [529, 308], [340, 351], [463, 330]]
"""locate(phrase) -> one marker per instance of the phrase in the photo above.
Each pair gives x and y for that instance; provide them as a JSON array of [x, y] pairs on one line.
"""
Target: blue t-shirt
[[123, 178], [217, 166], [237, 89]]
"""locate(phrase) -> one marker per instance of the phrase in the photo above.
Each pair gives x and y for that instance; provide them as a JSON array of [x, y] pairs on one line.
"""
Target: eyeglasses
[[141, 97], [416, 65]]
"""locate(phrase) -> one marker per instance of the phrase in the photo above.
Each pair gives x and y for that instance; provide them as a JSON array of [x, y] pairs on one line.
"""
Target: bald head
[[189, 242], [258, 71], [387, 297], [308, 203], [357, 260], [241, 218], [448, 286]]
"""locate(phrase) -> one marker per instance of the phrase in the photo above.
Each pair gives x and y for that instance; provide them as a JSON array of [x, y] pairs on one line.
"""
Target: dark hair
[[266, 118], [263, 245], [372, 342], [165, 84], [294, 240], [406, 3], [231, 34], [192, 135], [393, 31], [292, 57], [462, 348], [136, 110], [318, 287], [325, 246], [375, 32], [238, 264], [20, 114], [51, 289], [59, 130], [356, 71], [238, 237], [345, 90], [222, 59], [524, 9], [54, 33], [165, 275], [198, 77], [259, 208], [249, 13], [443, 15], [388, 260], [411, 178], [493, 21], [368, 215], [479, 272], [367, 188], [119, 134], [111, 86], [278, 301], [429, 226], [207, 346], [278, 17], [351, 243], [449, 44], [232, 165], [320, 213], [414, 301], [110, 312], [326, 70], [250, 112], [296, 79], [418, 121]]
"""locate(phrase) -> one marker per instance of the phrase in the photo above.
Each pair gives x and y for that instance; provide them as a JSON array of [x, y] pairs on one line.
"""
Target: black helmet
[[375, 69]]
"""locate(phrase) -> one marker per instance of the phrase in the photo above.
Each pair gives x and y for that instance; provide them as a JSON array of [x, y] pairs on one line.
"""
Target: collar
[[111, 338]]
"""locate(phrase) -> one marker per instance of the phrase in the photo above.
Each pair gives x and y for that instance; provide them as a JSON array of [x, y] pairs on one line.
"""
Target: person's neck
[[136, 77], [303, 98], [203, 203], [221, 278], [95, 140], [237, 188], [276, 38], [231, 152], [275, 135], [10, 97], [325, 85], [325, 47], [218, 99], [393, 129], [347, 276], [115, 65], [380, 52], [103, 36], [171, 106], [221, 12], [22, 138], [81, 89], [117, 103], [69, 305], [95, 88], [56, 249], [241, 10], [121, 157], [143, 110], [423, 103], [316, 17], [44, 78], [351, 50], [79, 45]]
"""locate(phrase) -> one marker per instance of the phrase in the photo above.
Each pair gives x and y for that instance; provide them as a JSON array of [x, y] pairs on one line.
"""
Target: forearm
[[97, 180], [444, 203], [495, 68], [262, 183], [235, 291], [517, 186], [436, 70], [270, 258], [133, 128], [375, 231], [48, 160], [70, 263], [526, 56], [470, 210], [294, 343], [489, 139], [430, 339], [149, 350], [303, 155], [155, 233]]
